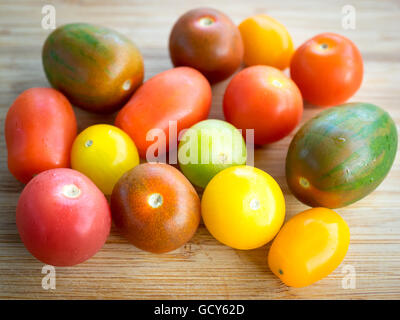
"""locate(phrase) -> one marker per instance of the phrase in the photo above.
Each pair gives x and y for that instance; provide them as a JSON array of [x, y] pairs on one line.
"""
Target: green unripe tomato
[[209, 147]]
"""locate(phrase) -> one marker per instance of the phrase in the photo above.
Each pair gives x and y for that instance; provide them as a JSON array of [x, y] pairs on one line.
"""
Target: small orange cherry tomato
[[266, 41], [328, 69], [309, 247]]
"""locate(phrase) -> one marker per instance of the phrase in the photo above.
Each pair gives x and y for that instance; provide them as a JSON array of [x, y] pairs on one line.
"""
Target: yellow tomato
[[309, 247], [266, 42], [243, 207], [103, 153]]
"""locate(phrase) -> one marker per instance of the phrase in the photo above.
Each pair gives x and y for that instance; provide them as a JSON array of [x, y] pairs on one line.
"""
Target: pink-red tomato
[[263, 98], [62, 217], [328, 69], [40, 128], [181, 94]]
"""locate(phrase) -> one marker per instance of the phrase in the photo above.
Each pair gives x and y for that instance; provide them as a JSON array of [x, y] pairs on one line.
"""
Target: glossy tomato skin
[[264, 99], [62, 217], [40, 127], [243, 207], [207, 40], [309, 247], [328, 69], [155, 207], [103, 153], [181, 94], [266, 42], [209, 147]]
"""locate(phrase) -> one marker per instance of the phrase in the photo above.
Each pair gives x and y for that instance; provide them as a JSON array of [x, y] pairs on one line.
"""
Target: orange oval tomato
[[264, 99], [40, 128], [181, 94], [266, 42], [155, 207], [328, 69], [309, 247]]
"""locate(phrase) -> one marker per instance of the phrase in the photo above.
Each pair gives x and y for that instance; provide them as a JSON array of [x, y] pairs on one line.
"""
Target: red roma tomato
[[328, 69], [181, 94], [62, 217], [40, 128], [155, 207], [263, 98]]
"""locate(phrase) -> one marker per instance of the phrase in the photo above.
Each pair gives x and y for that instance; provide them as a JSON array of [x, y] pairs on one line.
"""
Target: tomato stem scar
[[304, 182], [127, 85], [71, 191], [88, 143], [254, 204], [155, 200], [324, 46], [206, 21]]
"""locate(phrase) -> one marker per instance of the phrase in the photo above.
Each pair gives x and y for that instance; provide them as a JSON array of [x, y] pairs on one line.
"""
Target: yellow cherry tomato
[[243, 207], [309, 247], [266, 41], [104, 153]]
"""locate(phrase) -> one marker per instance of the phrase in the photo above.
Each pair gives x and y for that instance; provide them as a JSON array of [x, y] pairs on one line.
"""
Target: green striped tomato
[[341, 155]]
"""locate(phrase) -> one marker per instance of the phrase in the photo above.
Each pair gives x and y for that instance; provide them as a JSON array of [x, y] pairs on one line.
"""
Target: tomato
[[155, 207], [264, 99], [104, 153], [207, 40], [40, 127], [243, 207], [181, 94], [328, 69], [266, 42], [209, 147], [309, 247], [63, 219]]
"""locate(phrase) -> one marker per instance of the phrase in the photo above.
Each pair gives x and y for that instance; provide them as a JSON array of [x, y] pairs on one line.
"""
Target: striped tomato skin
[[97, 68], [341, 155]]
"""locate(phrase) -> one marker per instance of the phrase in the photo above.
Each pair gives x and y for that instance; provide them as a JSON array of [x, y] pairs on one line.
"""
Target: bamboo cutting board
[[204, 268]]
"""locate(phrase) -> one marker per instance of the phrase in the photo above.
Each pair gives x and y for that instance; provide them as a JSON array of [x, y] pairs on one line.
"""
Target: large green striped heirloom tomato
[[97, 68], [341, 155]]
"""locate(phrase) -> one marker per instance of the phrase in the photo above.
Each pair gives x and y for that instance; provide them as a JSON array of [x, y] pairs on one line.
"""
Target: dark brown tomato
[[207, 40], [155, 207]]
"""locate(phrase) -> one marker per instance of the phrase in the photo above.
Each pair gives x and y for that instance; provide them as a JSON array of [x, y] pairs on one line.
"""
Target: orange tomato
[[266, 41], [264, 99], [328, 69], [309, 247], [181, 94], [40, 128]]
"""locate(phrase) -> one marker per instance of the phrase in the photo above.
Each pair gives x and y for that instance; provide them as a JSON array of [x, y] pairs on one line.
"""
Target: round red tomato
[[207, 40], [181, 94], [40, 128], [62, 217], [264, 99], [328, 69], [155, 207]]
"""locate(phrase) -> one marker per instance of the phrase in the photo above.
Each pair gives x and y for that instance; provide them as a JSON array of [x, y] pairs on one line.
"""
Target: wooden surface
[[204, 268]]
